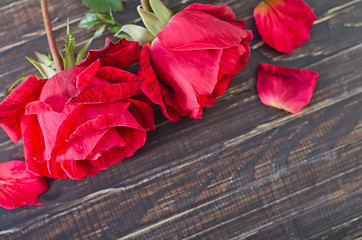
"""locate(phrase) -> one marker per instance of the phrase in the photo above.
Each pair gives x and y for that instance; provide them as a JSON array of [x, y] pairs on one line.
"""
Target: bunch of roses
[[87, 118]]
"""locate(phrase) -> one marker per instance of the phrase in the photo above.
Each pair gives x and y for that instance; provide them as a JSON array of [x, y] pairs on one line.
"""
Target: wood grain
[[244, 170]]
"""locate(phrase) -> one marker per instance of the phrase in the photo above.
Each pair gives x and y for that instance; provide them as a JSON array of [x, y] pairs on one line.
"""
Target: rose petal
[[106, 121], [134, 138], [39, 168], [285, 88], [49, 123], [220, 34], [79, 116], [121, 54], [149, 84], [13, 107], [116, 75], [110, 157], [103, 94], [79, 148], [37, 107], [79, 169], [61, 88], [143, 113], [224, 12], [284, 24], [87, 75], [33, 139], [110, 140], [19, 187], [56, 169], [177, 70], [229, 66]]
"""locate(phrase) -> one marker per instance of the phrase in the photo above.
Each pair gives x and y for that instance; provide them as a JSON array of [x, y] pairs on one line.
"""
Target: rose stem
[[50, 36]]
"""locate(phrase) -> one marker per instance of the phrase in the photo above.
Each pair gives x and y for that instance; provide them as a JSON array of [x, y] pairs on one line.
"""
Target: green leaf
[[97, 33], [68, 60], [108, 18], [12, 87], [46, 71], [152, 22], [137, 33], [104, 5], [160, 10], [90, 19]]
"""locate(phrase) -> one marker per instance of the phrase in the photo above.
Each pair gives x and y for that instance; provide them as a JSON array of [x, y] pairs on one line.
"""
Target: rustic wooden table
[[244, 170]]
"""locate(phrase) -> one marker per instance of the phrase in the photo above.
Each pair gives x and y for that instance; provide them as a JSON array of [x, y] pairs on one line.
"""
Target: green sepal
[[47, 60], [45, 71], [68, 60], [146, 5], [124, 36], [161, 10], [137, 33], [152, 22], [97, 33]]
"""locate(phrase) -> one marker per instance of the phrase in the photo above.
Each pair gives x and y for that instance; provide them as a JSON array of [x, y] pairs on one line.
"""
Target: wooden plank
[[158, 207], [246, 162], [243, 86], [243, 170]]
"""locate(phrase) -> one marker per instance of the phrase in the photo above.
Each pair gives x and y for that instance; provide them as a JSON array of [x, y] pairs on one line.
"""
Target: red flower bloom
[[285, 88], [192, 60], [284, 24], [81, 120], [19, 187]]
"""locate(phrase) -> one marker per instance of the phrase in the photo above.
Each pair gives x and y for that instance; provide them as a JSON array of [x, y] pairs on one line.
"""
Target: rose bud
[[81, 120], [192, 58]]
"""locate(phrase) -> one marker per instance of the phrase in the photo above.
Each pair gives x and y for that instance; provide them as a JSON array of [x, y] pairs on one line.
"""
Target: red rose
[[81, 120], [192, 60]]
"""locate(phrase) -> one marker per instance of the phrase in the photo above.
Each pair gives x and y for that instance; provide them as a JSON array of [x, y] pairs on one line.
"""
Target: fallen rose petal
[[285, 88], [284, 24], [18, 187]]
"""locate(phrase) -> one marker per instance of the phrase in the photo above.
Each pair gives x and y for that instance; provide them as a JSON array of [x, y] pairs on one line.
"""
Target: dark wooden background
[[244, 170]]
